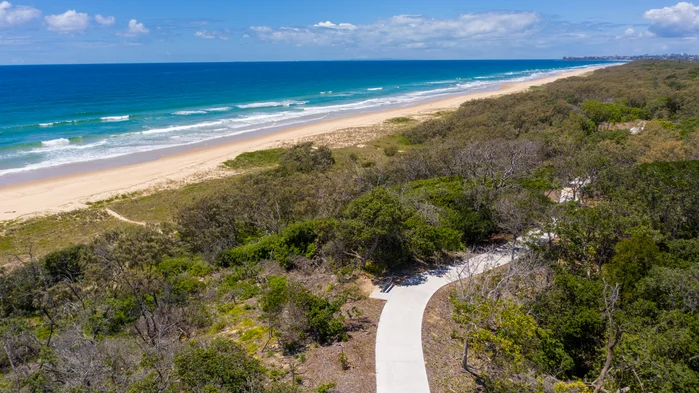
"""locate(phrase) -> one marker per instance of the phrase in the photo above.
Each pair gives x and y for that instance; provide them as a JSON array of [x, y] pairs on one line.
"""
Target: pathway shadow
[[439, 271], [414, 274], [417, 279]]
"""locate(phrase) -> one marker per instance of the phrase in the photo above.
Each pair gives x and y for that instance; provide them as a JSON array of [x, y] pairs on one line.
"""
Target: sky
[[140, 31]]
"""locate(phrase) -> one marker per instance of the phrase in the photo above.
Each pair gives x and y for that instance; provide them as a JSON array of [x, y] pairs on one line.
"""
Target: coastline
[[72, 191]]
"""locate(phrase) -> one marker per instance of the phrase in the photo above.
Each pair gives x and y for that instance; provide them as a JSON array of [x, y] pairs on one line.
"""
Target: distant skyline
[[128, 31]]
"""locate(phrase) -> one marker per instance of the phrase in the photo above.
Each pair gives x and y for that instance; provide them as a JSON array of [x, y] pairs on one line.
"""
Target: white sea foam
[[219, 109], [187, 113], [182, 128], [271, 104], [111, 119], [375, 88], [85, 155], [56, 142], [53, 148], [57, 123], [446, 82], [326, 92]]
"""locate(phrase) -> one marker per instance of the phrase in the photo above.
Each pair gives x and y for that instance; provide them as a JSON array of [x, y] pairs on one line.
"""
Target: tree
[[633, 259], [492, 165], [515, 213], [374, 220], [571, 310], [614, 332], [589, 234], [274, 296], [67, 264]]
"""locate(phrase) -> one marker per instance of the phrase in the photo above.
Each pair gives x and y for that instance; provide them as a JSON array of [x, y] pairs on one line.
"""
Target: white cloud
[[68, 22], [204, 34], [135, 29], [408, 31], [261, 29], [680, 20], [16, 15], [632, 34], [341, 26], [105, 20], [209, 35]]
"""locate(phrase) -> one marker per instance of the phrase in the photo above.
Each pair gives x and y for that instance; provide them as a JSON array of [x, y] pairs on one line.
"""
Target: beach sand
[[64, 193]]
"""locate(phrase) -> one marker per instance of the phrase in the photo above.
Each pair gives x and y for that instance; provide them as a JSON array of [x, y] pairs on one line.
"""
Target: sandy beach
[[70, 192]]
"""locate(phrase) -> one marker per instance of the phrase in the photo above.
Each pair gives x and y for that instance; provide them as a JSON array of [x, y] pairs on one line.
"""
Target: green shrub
[[344, 362], [114, 314], [275, 295], [322, 320], [253, 252], [182, 287], [390, 151], [194, 266], [306, 158], [326, 387], [220, 365], [601, 112], [295, 240], [323, 325], [428, 130], [689, 125], [255, 159], [426, 240], [400, 120], [66, 264]]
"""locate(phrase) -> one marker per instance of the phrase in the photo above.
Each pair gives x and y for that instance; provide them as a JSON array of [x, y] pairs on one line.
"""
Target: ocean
[[53, 116]]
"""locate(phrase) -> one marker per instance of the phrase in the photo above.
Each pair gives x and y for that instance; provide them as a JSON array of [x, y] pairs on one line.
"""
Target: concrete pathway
[[400, 365]]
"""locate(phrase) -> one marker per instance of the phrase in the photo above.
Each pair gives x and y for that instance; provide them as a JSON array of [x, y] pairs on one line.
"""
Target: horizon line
[[277, 61]]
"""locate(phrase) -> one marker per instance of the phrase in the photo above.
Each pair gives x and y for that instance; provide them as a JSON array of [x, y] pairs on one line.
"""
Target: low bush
[[255, 159]]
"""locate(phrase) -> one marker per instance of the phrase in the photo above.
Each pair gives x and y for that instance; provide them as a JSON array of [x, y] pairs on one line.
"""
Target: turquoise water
[[56, 115]]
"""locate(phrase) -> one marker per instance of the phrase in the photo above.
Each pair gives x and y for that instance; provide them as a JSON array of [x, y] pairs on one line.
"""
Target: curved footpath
[[122, 218], [400, 365]]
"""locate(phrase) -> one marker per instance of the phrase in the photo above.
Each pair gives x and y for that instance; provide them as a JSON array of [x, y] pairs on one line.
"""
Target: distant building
[[671, 56]]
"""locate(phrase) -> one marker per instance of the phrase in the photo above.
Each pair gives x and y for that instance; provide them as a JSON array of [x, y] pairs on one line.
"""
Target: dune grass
[[400, 120], [255, 159], [41, 235]]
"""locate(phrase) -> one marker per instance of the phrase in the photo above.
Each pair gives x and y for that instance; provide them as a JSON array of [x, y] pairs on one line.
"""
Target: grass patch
[[400, 120], [253, 334], [255, 159], [398, 141], [162, 206], [442, 113], [115, 198], [42, 235]]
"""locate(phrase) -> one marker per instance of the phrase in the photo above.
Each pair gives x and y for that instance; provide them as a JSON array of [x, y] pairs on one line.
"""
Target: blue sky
[[101, 31]]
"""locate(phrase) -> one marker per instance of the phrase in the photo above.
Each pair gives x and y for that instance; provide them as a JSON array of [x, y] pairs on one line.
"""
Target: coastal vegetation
[[234, 282], [255, 159]]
